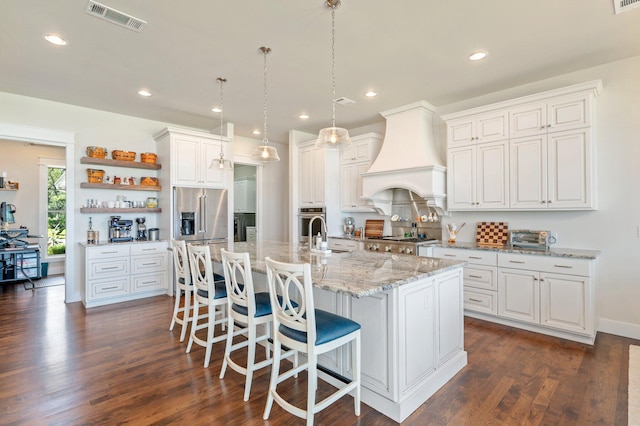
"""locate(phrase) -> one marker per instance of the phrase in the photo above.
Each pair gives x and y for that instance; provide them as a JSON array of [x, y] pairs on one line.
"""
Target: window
[[54, 200]]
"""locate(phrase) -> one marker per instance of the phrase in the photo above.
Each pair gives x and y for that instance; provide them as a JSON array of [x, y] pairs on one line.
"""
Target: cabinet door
[[461, 178], [528, 172], [450, 316], [492, 179], [318, 177], [330, 302], [306, 177], [563, 302], [568, 112], [528, 120], [492, 127], [359, 151], [519, 295], [569, 170], [186, 161], [347, 187], [461, 132]]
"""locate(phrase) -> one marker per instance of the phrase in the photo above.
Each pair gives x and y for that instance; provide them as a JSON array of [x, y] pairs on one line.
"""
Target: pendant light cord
[[221, 81], [265, 139], [333, 66]]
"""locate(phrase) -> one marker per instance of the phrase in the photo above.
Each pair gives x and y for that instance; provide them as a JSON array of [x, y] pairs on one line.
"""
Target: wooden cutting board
[[492, 233], [373, 228]]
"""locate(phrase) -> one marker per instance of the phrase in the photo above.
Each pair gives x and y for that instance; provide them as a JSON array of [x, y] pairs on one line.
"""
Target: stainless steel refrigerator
[[200, 215]]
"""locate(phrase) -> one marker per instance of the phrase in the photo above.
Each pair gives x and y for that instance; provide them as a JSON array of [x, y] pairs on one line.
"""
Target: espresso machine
[[120, 230], [141, 234]]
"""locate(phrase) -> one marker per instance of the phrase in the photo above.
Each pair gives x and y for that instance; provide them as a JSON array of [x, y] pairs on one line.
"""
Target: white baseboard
[[618, 328]]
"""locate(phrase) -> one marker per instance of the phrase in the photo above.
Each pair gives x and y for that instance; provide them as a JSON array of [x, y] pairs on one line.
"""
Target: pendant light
[[333, 137], [264, 152], [220, 162]]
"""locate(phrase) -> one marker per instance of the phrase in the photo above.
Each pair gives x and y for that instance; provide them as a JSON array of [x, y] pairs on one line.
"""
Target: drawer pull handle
[[109, 268], [110, 288], [450, 255], [475, 276], [475, 300], [516, 261], [148, 282], [475, 257], [563, 266], [149, 249], [109, 252], [149, 264]]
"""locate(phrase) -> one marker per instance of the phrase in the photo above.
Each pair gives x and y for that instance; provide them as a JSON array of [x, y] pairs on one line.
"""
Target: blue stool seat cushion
[[263, 305], [216, 278], [328, 327], [220, 288]]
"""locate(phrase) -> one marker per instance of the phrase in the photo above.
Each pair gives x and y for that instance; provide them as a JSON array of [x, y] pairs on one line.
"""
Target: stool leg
[[251, 357], [176, 309], [194, 323], [210, 335], [312, 377], [275, 369], [227, 349], [355, 362], [186, 315]]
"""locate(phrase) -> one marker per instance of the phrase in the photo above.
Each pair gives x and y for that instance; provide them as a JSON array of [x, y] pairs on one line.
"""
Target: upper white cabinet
[[489, 127], [528, 153], [563, 113], [354, 161], [478, 177], [312, 176], [191, 155], [552, 171]]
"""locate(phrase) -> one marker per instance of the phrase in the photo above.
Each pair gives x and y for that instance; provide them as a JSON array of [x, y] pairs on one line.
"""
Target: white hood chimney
[[408, 159]]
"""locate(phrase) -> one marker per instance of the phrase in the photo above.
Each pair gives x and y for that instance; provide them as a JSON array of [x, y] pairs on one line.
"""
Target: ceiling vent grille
[[625, 5], [114, 16], [348, 102]]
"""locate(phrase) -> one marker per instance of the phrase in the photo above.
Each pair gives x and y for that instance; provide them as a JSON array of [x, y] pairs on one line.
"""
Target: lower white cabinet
[[342, 244], [547, 294], [119, 272]]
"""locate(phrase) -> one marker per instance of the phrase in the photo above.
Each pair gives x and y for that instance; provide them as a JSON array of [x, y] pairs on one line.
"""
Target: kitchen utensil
[[373, 228], [154, 234], [395, 218], [452, 229]]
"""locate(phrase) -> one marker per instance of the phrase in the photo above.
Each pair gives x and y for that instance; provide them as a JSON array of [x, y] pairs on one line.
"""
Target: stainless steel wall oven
[[305, 214]]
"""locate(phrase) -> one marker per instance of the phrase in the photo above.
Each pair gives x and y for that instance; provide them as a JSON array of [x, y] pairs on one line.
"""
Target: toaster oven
[[534, 240]]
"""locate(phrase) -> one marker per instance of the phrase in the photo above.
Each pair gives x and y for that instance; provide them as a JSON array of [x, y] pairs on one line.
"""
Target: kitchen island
[[410, 309]]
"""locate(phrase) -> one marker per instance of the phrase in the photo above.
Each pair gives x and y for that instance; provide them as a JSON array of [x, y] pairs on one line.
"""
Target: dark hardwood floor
[[119, 364]]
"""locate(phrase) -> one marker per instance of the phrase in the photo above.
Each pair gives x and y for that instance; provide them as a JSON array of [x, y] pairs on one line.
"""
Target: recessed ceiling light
[[476, 56], [303, 116], [216, 109], [54, 39], [144, 93], [256, 132], [370, 94]]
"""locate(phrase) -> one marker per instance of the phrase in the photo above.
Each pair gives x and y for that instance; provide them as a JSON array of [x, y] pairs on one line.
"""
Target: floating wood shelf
[[120, 187], [120, 163], [119, 210], [8, 189]]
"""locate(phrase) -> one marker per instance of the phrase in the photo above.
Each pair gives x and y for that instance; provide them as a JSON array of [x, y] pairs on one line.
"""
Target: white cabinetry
[[191, 154], [342, 244], [552, 171], [478, 177], [547, 161], [480, 277], [313, 175], [562, 113], [488, 127], [354, 161], [244, 195], [119, 272]]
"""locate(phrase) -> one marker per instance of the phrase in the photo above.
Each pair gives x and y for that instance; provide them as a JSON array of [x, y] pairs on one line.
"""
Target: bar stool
[[183, 284], [309, 330], [207, 292], [249, 308]]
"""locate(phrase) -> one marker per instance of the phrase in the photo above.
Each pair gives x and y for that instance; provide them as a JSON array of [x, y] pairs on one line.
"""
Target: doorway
[[66, 140], [245, 202]]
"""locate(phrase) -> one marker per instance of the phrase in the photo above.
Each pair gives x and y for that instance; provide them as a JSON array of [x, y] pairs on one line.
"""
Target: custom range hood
[[408, 159]]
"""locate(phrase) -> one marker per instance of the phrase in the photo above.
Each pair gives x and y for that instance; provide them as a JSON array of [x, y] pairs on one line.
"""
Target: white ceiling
[[407, 50]]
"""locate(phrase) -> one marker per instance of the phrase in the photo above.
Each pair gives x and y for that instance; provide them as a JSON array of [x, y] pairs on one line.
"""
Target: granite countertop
[[357, 273], [107, 243], [554, 252]]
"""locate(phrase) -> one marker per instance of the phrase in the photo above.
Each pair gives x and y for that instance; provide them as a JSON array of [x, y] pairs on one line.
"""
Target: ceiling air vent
[[625, 5], [115, 16], [348, 102]]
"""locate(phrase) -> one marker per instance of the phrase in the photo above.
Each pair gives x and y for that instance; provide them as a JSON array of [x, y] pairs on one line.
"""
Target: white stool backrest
[[201, 268], [292, 281], [238, 279], [181, 260]]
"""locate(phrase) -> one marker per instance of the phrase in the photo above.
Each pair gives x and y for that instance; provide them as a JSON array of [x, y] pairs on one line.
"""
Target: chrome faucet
[[311, 236]]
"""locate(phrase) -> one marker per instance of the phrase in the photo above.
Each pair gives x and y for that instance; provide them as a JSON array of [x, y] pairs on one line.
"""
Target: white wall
[[114, 131], [613, 228]]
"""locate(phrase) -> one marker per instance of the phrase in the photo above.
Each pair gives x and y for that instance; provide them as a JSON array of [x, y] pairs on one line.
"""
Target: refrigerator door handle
[[204, 215]]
